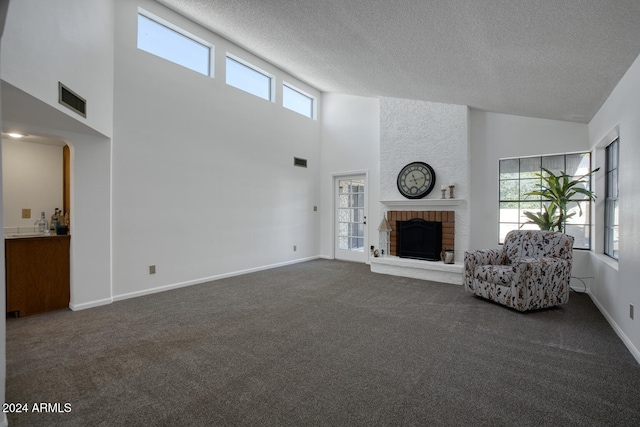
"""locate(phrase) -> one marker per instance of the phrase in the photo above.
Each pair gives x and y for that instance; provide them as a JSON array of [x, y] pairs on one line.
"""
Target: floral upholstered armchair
[[531, 271]]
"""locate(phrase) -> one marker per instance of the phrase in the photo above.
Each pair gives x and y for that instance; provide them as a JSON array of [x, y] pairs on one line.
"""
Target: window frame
[[251, 67], [612, 196], [522, 202], [312, 99], [210, 48]]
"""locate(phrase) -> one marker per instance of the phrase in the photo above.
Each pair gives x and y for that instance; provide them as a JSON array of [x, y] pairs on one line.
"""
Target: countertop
[[10, 236]]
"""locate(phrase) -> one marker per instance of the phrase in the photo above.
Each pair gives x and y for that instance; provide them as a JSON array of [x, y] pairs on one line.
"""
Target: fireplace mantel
[[420, 203]]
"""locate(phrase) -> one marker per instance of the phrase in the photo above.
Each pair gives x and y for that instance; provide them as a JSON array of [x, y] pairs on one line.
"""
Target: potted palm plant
[[558, 190]]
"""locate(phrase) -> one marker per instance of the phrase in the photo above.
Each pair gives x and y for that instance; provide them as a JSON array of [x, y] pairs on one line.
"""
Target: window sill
[[606, 260]]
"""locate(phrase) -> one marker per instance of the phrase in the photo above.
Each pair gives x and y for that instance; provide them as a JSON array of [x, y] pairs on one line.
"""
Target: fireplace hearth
[[419, 239], [419, 268]]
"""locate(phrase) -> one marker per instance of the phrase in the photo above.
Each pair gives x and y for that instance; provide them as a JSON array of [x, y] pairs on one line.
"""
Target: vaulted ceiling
[[555, 59]]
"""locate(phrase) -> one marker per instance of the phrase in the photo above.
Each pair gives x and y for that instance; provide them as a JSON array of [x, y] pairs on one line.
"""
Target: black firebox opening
[[419, 239]]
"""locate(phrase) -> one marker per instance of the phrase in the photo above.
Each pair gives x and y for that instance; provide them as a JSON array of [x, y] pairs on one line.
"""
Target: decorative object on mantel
[[385, 230], [443, 188], [451, 187], [447, 256], [416, 180]]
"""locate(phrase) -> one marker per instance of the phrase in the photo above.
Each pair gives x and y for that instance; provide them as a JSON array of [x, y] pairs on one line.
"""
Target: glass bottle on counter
[[42, 224], [55, 218]]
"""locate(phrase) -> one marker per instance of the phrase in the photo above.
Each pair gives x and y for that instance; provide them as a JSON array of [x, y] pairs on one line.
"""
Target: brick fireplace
[[447, 218]]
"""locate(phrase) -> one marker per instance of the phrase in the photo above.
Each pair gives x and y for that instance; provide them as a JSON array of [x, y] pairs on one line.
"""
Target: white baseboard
[[91, 304], [632, 348], [105, 301], [208, 279]]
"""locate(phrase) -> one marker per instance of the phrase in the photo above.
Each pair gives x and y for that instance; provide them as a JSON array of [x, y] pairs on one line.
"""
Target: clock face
[[416, 180]]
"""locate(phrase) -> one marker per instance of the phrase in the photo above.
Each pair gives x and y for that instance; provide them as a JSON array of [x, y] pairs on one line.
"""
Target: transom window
[[611, 215], [245, 76], [518, 177], [296, 100], [176, 46]]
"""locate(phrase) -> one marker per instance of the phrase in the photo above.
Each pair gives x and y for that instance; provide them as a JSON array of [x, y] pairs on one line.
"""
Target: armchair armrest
[[538, 280], [475, 258], [483, 256]]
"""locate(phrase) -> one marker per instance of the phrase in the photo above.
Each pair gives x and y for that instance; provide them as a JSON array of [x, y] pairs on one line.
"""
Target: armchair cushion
[[498, 274], [532, 270]]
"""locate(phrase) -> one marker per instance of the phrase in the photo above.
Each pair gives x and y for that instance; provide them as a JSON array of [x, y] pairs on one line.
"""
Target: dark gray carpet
[[322, 343]]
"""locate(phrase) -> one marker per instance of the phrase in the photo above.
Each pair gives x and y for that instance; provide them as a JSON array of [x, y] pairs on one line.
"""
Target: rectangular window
[[175, 46], [248, 78], [298, 101], [611, 214], [518, 177]]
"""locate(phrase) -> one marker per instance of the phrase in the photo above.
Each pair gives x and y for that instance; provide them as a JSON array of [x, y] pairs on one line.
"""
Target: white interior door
[[351, 218]]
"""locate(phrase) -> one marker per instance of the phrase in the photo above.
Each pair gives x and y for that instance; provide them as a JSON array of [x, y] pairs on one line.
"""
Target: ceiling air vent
[[71, 100], [299, 162]]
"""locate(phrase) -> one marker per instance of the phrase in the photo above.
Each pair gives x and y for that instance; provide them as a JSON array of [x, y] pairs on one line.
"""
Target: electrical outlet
[[315, 209], [152, 269], [26, 213], [295, 248], [631, 310]]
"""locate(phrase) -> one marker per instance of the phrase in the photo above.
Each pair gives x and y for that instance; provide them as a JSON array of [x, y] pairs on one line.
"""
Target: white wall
[[380, 137], [616, 283], [497, 136], [350, 142], [431, 132], [437, 134], [204, 183], [31, 178], [68, 41], [90, 219]]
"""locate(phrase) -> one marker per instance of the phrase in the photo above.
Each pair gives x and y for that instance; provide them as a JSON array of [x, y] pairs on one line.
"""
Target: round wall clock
[[416, 180]]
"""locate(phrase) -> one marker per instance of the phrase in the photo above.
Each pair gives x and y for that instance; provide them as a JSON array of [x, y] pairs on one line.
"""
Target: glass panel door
[[351, 219]]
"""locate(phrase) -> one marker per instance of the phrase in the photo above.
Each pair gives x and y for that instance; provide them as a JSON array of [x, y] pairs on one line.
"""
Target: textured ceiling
[[556, 59]]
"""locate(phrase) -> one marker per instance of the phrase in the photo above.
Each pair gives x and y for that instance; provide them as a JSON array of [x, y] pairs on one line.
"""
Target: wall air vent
[[299, 162], [71, 100]]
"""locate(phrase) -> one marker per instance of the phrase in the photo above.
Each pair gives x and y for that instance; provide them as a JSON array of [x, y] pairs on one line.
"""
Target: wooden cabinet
[[37, 274]]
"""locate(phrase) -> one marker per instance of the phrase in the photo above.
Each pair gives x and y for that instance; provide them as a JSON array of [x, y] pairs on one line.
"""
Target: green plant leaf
[[546, 220], [558, 190]]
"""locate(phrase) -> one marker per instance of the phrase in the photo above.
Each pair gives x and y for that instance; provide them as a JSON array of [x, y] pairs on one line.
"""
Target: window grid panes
[[248, 79], [351, 215], [162, 41], [295, 100], [611, 215], [517, 177]]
